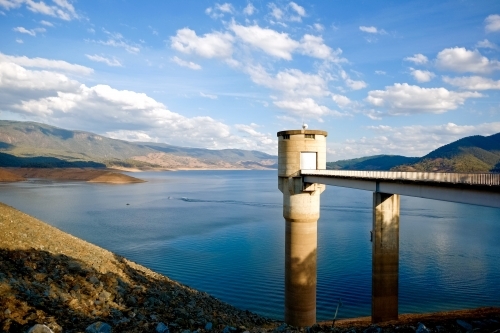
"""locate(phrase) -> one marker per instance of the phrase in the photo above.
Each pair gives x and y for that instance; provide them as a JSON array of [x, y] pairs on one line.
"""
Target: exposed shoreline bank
[[48, 276], [68, 174]]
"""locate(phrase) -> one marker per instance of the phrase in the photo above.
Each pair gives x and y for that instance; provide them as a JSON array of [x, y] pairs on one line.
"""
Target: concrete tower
[[300, 149]]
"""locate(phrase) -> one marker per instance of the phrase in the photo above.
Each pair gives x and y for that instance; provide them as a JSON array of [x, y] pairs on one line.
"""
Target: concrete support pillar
[[385, 257], [301, 204]]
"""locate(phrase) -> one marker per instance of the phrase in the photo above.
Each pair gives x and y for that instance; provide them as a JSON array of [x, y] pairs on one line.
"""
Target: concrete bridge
[[302, 178]]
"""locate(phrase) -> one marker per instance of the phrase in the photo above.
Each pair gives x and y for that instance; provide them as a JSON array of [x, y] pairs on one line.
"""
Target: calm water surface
[[223, 232]]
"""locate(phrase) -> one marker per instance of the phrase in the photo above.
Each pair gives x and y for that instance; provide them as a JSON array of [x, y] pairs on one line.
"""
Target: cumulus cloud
[[58, 65], [108, 61], [459, 59], [219, 10], [418, 59], [486, 44], [251, 132], [314, 46], [61, 9], [46, 23], [292, 82], [31, 32], [19, 41], [211, 45], [184, 63], [492, 23], [276, 12], [372, 30], [421, 76], [473, 82], [306, 107], [352, 84], [274, 43], [318, 27], [402, 98], [249, 9], [341, 100]]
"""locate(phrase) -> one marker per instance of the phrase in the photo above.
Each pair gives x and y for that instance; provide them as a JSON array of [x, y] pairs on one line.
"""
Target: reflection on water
[[223, 232]]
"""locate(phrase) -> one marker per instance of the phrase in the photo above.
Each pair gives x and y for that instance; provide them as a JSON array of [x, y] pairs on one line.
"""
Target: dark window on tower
[[309, 136], [286, 136]]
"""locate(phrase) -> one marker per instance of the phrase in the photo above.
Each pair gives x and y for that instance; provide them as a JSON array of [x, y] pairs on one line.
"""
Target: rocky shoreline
[[48, 277]]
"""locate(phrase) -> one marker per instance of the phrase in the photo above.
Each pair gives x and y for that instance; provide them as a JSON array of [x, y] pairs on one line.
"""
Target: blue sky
[[392, 77]]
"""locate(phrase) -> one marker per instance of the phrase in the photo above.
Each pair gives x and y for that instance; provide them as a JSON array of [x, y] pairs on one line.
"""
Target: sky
[[392, 77]]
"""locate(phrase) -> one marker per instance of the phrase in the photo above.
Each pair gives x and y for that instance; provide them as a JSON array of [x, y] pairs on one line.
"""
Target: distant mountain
[[376, 162], [471, 154], [40, 145]]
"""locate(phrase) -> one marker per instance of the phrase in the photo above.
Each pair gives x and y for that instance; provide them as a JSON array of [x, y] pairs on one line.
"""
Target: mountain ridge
[[50, 146]]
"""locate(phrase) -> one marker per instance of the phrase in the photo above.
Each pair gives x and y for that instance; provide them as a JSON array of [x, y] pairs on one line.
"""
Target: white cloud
[[341, 100], [418, 59], [275, 11], [306, 107], [225, 7], [372, 30], [407, 99], [212, 45], [473, 82], [422, 76], [352, 84], [299, 10], [380, 73], [492, 23], [414, 140], [61, 9], [31, 32], [249, 9], [184, 63], [59, 65], [110, 62], [292, 82], [250, 130], [274, 43], [208, 95], [314, 46], [486, 44], [116, 40], [46, 23], [91, 30], [459, 59], [19, 41], [318, 27]]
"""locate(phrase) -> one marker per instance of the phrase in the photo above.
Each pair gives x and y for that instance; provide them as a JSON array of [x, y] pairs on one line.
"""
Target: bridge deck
[[476, 189]]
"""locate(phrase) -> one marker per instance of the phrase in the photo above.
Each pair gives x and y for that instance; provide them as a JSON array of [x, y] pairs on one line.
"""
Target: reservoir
[[223, 232]]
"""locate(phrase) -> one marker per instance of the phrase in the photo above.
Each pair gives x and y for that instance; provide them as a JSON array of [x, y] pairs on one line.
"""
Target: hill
[[376, 162], [470, 154], [30, 144]]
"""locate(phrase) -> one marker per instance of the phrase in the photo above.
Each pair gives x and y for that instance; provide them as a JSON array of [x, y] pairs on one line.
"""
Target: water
[[223, 232]]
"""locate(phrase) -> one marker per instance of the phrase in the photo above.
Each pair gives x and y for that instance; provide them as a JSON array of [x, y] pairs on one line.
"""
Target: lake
[[223, 232]]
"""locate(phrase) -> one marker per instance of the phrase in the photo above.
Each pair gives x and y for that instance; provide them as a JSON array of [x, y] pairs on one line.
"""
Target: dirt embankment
[[79, 174], [7, 176]]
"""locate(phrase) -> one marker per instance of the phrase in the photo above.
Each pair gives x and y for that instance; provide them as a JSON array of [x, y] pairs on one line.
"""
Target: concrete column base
[[385, 257]]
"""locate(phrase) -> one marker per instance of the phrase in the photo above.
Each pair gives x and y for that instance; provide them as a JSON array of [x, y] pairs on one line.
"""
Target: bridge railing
[[485, 179]]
